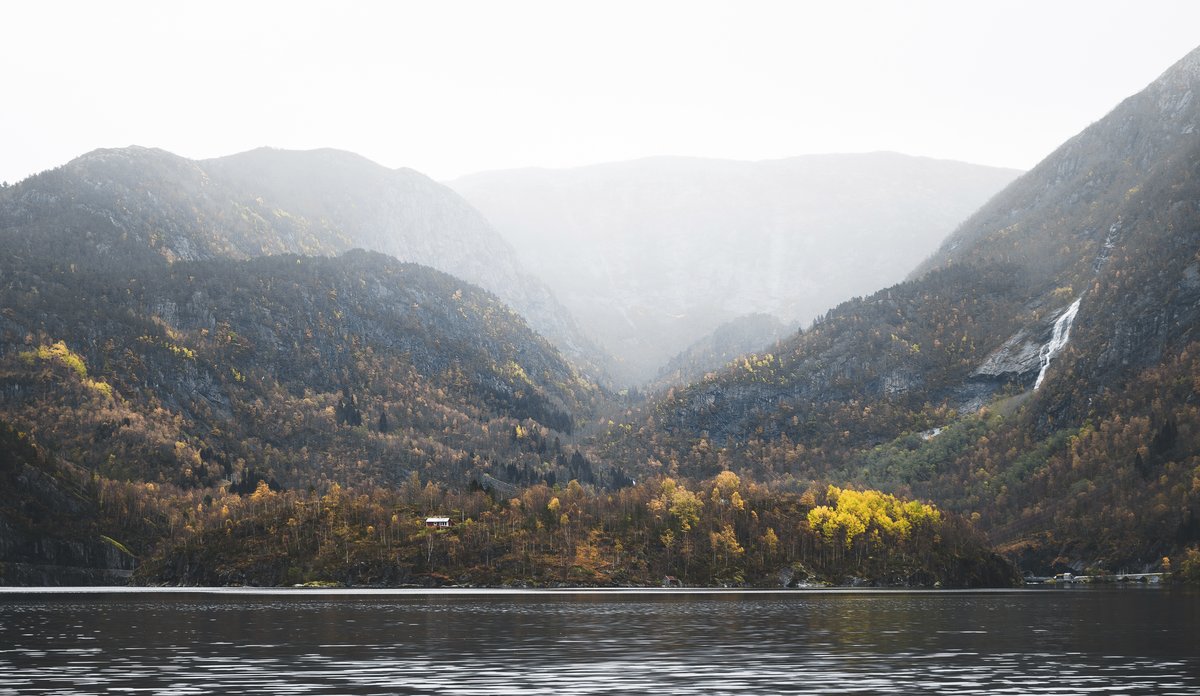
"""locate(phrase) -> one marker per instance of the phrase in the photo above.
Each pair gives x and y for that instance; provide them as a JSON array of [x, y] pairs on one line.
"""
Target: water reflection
[[1027, 642]]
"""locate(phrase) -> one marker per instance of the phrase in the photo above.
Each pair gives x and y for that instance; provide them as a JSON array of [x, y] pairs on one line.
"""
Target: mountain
[[109, 208], [294, 369], [289, 419], [1038, 372], [162, 353], [730, 340], [654, 254], [183, 400]]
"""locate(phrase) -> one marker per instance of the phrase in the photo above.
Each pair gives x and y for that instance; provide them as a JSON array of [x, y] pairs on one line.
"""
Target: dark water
[[1065, 641]]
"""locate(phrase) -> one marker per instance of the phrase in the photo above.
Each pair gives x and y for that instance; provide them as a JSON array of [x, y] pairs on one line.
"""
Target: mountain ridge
[[146, 202]]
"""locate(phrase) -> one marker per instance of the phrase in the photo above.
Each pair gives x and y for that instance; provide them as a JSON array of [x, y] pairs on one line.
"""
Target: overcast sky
[[450, 88]]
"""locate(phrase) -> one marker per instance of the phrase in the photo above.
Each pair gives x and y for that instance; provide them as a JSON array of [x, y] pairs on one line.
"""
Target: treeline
[[719, 531], [1118, 490]]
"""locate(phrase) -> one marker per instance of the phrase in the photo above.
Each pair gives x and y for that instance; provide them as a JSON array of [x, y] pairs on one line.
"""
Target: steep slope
[[654, 254], [52, 531], [110, 208], [1110, 221], [1084, 273], [297, 370], [730, 340]]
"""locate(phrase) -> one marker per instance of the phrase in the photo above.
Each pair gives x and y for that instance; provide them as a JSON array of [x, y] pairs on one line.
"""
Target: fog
[[652, 255]]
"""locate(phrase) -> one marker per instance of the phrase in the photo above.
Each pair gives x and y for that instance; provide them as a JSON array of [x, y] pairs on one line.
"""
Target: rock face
[[48, 534], [1108, 217], [110, 208], [652, 255], [1016, 358], [1027, 353], [31, 559]]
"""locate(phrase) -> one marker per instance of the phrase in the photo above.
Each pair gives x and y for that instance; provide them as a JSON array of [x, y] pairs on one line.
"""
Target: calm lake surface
[[1044, 641]]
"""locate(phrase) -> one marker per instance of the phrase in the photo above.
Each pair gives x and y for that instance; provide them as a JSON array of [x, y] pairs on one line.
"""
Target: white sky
[[450, 88]]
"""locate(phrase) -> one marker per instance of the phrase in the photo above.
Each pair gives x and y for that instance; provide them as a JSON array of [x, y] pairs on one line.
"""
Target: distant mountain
[[653, 254], [733, 339], [1041, 370], [112, 208]]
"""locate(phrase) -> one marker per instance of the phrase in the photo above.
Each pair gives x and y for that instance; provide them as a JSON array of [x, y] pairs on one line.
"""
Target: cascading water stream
[[1062, 332]]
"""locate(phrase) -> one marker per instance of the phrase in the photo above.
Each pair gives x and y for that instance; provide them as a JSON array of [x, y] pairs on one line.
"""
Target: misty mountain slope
[[305, 370], [653, 254], [1071, 196], [112, 207], [1110, 218], [1096, 463], [733, 339]]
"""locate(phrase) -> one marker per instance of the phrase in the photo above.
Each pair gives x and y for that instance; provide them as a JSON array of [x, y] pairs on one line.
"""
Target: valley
[[654, 255], [271, 368]]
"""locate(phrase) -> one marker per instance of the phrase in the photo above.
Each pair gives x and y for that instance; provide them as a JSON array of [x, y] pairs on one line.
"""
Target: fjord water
[[1060, 641]]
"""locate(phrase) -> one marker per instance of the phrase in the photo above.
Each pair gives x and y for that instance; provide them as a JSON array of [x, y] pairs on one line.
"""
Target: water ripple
[[1018, 643]]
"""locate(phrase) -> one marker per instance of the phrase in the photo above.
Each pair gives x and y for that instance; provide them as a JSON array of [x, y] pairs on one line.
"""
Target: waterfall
[[1062, 331]]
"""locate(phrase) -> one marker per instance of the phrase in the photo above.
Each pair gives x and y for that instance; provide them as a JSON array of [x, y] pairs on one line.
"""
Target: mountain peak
[[1112, 154], [1174, 94], [129, 156], [154, 205], [319, 157], [127, 152], [1185, 72]]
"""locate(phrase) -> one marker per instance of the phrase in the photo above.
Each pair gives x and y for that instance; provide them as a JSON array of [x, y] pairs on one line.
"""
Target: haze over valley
[[652, 255]]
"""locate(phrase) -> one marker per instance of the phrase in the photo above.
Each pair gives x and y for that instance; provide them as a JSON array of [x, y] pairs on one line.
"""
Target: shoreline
[[513, 591]]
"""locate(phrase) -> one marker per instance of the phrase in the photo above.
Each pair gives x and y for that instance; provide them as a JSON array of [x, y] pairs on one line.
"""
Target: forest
[[723, 531], [306, 440]]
